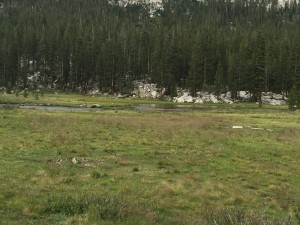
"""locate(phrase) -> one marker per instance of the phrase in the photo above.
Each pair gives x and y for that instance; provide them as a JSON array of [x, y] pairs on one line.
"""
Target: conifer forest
[[218, 45]]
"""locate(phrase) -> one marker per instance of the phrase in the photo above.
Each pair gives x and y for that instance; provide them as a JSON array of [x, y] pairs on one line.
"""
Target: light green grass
[[72, 99], [148, 167], [76, 100]]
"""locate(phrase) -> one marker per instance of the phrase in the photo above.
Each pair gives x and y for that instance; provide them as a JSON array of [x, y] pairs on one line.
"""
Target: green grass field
[[135, 167], [71, 99], [77, 100]]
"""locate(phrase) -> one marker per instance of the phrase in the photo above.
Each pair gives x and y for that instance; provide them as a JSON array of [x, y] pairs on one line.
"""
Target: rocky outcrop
[[202, 97], [226, 98], [2, 89], [152, 5], [273, 99], [186, 97], [146, 90], [243, 96]]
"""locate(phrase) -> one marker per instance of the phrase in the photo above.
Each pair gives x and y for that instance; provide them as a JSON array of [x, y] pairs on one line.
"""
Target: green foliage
[[219, 82], [293, 99], [298, 215], [36, 94], [189, 44], [9, 88], [25, 93]]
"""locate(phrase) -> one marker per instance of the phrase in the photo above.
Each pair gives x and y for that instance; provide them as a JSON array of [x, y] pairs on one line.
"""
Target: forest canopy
[[218, 45]]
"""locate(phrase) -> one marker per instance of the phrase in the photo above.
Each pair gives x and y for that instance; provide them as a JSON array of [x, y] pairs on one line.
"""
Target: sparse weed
[[96, 174]]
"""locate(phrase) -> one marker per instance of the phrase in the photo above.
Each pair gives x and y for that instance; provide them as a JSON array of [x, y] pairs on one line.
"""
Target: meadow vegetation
[[47, 98], [70, 99], [135, 167]]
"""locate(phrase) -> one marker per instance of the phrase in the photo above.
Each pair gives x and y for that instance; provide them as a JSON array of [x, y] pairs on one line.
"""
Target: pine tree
[[219, 79], [294, 99], [259, 69]]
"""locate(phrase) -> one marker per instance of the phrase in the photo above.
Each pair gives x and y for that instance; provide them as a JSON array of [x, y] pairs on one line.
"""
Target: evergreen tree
[[77, 45], [294, 99]]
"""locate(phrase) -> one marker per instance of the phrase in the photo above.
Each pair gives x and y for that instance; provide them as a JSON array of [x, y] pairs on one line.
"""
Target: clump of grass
[[110, 151], [25, 94], [36, 96], [163, 164], [104, 207], [109, 208], [96, 174], [238, 215], [135, 169], [298, 215], [176, 171], [65, 204]]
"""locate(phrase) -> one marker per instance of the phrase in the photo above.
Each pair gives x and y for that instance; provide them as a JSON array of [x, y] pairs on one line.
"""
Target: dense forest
[[215, 45]]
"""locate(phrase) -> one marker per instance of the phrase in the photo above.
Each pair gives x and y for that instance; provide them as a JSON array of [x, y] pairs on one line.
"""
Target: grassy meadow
[[147, 167], [71, 99]]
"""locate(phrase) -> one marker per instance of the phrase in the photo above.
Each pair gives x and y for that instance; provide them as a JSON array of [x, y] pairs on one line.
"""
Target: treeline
[[213, 45]]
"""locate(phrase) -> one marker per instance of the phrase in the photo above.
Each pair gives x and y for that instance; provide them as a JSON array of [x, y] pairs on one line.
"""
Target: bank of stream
[[139, 107]]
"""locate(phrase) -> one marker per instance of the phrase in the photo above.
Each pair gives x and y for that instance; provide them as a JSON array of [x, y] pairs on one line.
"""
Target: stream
[[139, 107]]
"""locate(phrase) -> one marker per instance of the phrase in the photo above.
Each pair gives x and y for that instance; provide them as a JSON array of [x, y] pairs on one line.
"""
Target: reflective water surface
[[140, 107]]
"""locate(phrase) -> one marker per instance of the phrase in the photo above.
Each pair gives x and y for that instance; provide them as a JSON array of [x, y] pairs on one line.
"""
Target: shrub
[[25, 94], [95, 174]]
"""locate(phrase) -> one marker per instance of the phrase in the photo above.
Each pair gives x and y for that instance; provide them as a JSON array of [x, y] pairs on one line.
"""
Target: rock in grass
[[88, 165], [74, 161], [237, 127], [189, 99], [180, 99], [199, 100], [154, 94], [95, 106], [213, 99]]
